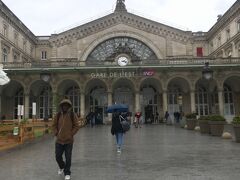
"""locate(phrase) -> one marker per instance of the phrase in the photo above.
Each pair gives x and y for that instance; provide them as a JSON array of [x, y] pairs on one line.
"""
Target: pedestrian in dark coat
[[117, 130]]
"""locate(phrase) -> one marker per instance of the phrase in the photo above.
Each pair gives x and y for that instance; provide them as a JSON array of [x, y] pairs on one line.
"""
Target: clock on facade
[[122, 61]]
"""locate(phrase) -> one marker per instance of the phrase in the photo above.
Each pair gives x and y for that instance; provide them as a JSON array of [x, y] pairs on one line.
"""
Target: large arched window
[[98, 103], [228, 101], [174, 93], [111, 48], [45, 103], [123, 95], [202, 104], [148, 101], [73, 94]]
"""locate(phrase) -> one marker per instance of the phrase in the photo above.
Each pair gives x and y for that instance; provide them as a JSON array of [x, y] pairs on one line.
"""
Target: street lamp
[[45, 76], [207, 72]]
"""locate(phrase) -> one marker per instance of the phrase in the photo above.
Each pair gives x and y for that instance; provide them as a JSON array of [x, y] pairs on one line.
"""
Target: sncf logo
[[148, 72]]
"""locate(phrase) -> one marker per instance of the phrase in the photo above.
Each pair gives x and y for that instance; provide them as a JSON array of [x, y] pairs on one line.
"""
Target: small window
[[219, 41], [16, 38], [5, 30], [238, 25], [199, 52], [15, 58], [31, 50], [4, 55], [43, 55], [24, 45], [228, 34]]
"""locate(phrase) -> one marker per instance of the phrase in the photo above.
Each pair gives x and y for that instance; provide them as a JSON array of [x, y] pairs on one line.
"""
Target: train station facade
[[121, 58]]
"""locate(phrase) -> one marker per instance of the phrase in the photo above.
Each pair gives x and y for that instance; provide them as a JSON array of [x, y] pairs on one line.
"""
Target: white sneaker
[[67, 177], [119, 150], [60, 171]]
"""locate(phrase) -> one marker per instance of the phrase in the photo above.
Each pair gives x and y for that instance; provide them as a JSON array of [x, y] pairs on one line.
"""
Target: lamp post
[[45, 76], [207, 72]]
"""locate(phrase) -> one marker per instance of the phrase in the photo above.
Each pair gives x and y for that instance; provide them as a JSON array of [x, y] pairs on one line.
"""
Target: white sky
[[45, 17]]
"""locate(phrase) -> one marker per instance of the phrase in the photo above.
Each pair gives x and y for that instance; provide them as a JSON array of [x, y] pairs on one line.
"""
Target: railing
[[74, 63]]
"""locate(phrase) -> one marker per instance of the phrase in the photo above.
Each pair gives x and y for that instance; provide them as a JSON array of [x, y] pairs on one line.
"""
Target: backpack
[[124, 123]]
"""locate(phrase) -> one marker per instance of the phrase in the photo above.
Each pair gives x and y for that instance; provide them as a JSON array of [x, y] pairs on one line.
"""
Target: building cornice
[[12, 19], [231, 13], [16, 48], [120, 18]]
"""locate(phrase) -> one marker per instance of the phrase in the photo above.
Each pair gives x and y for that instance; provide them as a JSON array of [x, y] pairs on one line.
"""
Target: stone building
[[121, 58]]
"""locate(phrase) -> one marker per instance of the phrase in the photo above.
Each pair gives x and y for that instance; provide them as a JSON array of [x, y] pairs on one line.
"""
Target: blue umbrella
[[117, 108]]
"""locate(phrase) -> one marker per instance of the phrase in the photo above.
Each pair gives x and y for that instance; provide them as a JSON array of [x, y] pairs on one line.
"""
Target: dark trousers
[[59, 150]]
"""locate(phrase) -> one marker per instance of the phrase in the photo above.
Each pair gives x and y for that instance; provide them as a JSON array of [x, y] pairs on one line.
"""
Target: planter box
[[236, 128], [191, 124], [216, 127], [204, 126]]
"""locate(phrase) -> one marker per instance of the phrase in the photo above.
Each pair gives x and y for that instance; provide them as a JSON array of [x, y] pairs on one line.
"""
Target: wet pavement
[[154, 152]]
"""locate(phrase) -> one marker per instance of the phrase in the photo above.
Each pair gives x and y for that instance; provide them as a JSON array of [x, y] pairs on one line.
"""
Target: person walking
[[65, 126], [166, 116], [138, 120], [91, 118], [117, 130]]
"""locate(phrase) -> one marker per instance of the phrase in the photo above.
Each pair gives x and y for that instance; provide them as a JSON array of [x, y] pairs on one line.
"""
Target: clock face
[[122, 61]]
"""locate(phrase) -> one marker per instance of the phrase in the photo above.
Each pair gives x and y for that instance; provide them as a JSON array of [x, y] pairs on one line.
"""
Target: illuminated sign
[[119, 74]]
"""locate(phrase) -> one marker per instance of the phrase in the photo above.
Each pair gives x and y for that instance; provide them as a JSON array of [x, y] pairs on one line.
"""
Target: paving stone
[[153, 152]]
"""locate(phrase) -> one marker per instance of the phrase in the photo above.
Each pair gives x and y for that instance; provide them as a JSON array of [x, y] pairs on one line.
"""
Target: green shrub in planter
[[203, 123], [236, 128], [216, 123], [191, 121], [216, 118], [191, 116], [236, 120]]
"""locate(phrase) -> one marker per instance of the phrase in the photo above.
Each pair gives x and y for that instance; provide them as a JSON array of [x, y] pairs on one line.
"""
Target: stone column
[[234, 50], [55, 104], [26, 106], [82, 104], [193, 104], [165, 103], [109, 104], [220, 102], [137, 102]]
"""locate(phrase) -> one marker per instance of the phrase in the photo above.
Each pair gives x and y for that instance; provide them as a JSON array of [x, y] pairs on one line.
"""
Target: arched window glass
[[73, 94], [202, 101], [111, 48], [228, 101], [45, 103], [98, 103], [174, 92]]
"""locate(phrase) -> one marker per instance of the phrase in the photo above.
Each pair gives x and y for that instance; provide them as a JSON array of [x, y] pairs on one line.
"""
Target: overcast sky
[[45, 17]]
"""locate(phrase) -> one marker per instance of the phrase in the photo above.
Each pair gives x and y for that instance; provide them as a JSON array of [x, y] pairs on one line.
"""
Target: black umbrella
[[117, 108]]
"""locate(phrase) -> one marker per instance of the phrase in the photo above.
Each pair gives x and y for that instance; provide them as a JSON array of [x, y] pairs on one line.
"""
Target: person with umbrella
[[117, 128]]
